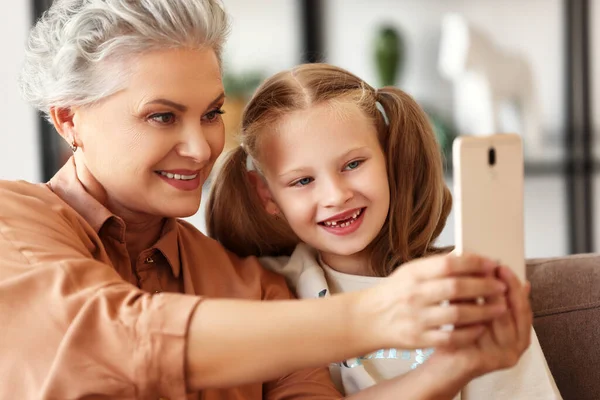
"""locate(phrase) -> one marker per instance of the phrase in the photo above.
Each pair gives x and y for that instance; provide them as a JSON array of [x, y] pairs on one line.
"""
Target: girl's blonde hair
[[419, 199]]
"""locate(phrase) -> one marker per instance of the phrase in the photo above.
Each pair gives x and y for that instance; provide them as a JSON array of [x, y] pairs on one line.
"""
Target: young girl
[[335, 185]]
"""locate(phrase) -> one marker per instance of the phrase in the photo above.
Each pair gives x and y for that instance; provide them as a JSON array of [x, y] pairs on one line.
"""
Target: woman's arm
[[95, 333], [231, 342]]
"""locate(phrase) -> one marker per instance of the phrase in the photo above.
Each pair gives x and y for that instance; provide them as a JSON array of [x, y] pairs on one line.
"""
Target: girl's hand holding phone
[[504, 340]]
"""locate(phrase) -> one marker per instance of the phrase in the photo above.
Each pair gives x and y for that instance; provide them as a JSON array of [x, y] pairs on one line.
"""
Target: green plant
[[241, 85]]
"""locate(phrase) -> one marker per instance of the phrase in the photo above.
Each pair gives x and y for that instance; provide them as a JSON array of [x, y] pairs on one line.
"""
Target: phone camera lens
[[492, 156]]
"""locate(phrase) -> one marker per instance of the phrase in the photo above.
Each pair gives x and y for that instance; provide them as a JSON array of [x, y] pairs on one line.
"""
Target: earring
[[73, 146]]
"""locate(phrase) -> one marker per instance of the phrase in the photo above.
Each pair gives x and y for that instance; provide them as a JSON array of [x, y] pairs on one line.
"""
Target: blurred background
[[476, 66]]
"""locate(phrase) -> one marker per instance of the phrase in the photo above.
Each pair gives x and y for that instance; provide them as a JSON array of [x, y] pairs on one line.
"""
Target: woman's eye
[[303, 182], [163, 118], [353, 164], [214, 115]]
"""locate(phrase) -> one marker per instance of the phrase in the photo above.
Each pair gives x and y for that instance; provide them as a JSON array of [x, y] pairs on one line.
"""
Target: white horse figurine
[[488, 83]]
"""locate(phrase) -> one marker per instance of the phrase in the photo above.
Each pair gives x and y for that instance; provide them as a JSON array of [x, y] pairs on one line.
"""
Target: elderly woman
[[106, 294]]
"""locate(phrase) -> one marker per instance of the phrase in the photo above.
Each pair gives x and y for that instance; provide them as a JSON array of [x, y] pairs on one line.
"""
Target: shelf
[[537, 168]]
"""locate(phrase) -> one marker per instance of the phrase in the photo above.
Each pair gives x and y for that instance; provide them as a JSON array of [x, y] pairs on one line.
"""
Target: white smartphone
[[488, 176]]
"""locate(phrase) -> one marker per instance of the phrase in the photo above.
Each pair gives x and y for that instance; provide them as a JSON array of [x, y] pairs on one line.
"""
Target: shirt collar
[[168, 245], [66, 185]]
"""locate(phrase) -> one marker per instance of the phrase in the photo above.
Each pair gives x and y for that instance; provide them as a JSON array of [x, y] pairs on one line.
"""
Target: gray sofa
[[565, 298]]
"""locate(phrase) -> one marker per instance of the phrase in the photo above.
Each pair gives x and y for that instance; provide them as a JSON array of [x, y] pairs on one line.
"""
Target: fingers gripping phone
[[488, 196]]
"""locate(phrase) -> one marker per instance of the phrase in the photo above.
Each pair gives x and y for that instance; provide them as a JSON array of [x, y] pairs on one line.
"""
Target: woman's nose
[[195, 145]]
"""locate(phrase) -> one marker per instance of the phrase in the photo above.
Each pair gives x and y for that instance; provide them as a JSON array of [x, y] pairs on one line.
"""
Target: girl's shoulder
[[301, 270], [302, 258]]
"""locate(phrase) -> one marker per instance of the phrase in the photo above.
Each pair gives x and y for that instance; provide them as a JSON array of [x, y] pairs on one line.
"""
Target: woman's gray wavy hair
[[73, 45]]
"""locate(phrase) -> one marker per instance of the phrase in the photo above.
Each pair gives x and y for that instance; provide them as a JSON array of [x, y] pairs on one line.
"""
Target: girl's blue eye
[[303, 181], [353, 164]]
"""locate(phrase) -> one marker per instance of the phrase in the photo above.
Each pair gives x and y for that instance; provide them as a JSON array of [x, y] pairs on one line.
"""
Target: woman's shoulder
[[21, 197], [23, 188], [37, 203], [194, 238], [243, 275], [34, 219]]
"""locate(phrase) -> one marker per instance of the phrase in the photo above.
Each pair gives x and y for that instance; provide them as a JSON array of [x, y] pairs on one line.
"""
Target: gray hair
[[69, 47]]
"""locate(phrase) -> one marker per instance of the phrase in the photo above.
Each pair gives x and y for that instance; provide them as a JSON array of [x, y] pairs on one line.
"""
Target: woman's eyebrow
[[218, 99], [165, 102], [181, 107]]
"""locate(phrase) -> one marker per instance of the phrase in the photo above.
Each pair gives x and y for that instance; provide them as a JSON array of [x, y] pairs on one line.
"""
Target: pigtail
[[420, 201], [235, 215]]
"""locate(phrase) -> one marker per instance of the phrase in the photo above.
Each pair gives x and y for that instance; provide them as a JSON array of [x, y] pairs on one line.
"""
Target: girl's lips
[[347, 227], [341, 216]]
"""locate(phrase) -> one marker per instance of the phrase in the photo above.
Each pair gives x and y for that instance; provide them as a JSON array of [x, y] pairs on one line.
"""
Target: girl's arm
[[232, 342]]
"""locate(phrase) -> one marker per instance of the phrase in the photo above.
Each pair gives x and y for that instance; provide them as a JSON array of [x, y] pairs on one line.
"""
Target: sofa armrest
[[565, 298]]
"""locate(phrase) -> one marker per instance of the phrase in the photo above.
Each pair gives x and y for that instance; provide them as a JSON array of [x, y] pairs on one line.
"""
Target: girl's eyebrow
[[291, 172], [354, 149]]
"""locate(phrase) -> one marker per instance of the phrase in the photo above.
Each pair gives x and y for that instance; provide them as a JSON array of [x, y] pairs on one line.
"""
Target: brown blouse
[[78, 321]]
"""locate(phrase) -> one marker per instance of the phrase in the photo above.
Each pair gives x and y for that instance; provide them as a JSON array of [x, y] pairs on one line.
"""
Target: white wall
[[265, 35], [531, 28], [19, 149]]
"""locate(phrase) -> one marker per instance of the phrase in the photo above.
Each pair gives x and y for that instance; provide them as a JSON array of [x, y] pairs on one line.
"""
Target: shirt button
[[149, 260]]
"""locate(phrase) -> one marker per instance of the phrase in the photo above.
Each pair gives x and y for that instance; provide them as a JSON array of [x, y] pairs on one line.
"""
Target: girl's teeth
[[343, 224]]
